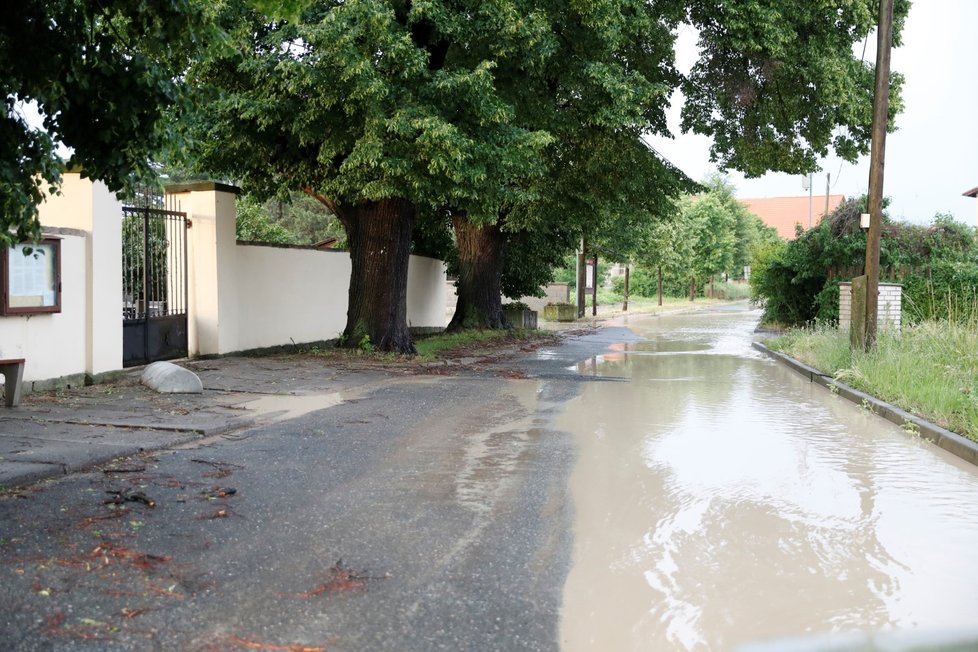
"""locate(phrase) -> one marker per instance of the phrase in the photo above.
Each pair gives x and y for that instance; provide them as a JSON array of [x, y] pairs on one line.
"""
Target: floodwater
[[722, 499]]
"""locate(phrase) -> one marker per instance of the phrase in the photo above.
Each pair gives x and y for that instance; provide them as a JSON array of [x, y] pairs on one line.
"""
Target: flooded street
[[721, 499]]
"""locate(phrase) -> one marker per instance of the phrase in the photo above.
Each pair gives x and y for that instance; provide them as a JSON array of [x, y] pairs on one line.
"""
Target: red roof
[[972, 193], [783, 213]]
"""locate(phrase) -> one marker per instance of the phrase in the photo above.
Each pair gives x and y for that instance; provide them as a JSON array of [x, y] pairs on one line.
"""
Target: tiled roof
[[972, 193], [783, 213]]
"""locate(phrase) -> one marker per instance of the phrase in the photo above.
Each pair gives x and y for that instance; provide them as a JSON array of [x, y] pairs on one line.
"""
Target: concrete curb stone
[[950, 441]]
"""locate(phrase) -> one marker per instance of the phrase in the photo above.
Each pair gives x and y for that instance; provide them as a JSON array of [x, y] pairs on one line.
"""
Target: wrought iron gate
[[154, 281]]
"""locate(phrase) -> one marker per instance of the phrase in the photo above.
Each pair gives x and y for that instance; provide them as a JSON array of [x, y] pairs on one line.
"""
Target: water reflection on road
[[721, 498]]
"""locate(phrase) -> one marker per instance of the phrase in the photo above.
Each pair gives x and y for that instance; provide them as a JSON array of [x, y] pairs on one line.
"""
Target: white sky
[[931, 159]]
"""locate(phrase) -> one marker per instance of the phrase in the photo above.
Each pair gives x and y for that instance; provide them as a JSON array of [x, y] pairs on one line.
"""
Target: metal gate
[[154, 281]]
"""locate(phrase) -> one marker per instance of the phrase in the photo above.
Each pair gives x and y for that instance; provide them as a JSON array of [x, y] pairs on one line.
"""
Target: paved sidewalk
[[54, 433]]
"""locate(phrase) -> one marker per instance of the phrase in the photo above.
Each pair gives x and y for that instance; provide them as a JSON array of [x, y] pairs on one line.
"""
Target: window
[[32, 281]]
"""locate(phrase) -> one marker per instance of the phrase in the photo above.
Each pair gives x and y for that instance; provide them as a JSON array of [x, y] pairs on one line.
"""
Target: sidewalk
[[51, 434]]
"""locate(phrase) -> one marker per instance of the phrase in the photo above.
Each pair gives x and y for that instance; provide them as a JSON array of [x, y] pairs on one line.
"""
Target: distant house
[[783, 213], [972, 193]]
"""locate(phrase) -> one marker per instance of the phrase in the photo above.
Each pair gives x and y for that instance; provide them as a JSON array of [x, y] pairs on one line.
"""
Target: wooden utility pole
[[594, 287], [660, 285], [828, 186], [624, 307], [581, 277], [881, 105]]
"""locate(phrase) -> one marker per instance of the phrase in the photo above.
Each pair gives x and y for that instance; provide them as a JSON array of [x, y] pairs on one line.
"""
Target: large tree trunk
[[379, 236], [480, 274]]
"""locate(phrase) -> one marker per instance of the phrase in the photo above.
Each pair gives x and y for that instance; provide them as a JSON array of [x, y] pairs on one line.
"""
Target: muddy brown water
[[722, 499]]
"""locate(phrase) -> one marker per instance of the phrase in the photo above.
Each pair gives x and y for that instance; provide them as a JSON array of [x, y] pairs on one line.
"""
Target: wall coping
[[60, 230], [281, 245], [201, 186], [881, 284]]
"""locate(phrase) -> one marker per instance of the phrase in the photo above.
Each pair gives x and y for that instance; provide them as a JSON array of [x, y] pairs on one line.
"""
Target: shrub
[[792, 278]]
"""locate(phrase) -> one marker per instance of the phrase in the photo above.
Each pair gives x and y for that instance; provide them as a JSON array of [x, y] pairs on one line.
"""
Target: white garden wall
[[53, 344], [247, 296], [85, 338], [241, 296], [289, 295]]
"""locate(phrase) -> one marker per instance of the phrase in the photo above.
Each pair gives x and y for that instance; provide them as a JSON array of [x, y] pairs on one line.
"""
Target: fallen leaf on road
[[256, 645]]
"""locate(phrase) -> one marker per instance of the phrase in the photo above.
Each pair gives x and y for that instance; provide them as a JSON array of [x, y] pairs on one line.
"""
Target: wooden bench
[[13, 373]]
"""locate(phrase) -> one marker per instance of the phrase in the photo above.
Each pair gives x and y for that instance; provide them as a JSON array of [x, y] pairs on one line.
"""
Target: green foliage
[[298, 219], [102, 76], [254, 224], [398, 112], [793, 278], [142, 248], [775, 80], [531, 258]]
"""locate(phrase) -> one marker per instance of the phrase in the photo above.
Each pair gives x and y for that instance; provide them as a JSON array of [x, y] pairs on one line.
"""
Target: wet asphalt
[[423, 513]]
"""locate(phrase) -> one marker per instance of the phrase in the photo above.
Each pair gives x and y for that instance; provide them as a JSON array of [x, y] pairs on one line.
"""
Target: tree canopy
[[102, 76]]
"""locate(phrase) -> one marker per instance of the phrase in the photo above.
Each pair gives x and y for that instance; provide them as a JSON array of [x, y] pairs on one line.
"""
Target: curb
[[952, 442]]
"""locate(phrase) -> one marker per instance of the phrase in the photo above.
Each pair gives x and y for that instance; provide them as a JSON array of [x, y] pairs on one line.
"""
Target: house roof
[[783, 213], [972, 193]]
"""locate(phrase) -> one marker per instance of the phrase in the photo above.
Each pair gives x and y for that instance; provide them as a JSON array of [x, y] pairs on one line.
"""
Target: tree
[[604, 84], [102, 75], [364, 106], [297, 219], [775, 81], [749, 231], [776, 86]]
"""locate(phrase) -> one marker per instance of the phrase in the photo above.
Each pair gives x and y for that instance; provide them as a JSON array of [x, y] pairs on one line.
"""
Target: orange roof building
[[783, 213]]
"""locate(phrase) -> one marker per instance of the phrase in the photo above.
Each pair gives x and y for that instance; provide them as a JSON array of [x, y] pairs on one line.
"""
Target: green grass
[[930, 370], [430, 347]]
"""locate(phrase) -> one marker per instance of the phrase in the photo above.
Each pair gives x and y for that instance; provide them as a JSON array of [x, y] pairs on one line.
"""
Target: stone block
[[168, 378]]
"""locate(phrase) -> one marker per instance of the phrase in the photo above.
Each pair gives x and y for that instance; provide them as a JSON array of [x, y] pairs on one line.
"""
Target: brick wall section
[[889, 306]]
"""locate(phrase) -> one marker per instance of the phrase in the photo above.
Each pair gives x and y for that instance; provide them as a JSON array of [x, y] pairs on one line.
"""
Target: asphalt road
[[428, 513]]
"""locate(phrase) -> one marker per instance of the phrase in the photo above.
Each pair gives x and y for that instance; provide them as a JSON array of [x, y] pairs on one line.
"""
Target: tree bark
[[480, 272], [379, 236]]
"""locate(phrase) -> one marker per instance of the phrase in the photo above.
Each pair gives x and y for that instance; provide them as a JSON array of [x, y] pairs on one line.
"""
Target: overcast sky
[[933, 156]]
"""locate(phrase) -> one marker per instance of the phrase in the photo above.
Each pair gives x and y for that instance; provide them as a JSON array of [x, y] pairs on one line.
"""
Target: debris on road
[[126, 496]]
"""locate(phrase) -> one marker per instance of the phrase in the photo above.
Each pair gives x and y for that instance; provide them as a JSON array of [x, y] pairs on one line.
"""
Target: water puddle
[[282, 407], [722, 499]]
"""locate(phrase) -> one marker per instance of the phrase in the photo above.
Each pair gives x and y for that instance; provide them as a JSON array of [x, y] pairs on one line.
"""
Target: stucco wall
[[288, 295], [86, 336], [426, 293], [53, 344]]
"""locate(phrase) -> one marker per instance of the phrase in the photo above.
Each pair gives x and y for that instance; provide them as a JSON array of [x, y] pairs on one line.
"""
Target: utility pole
[[581, 277], [806, 183], [828, 186], [881, 104]]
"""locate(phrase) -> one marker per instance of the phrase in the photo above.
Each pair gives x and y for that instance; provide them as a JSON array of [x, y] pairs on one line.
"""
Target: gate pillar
[[91, 207], [211, 242]]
